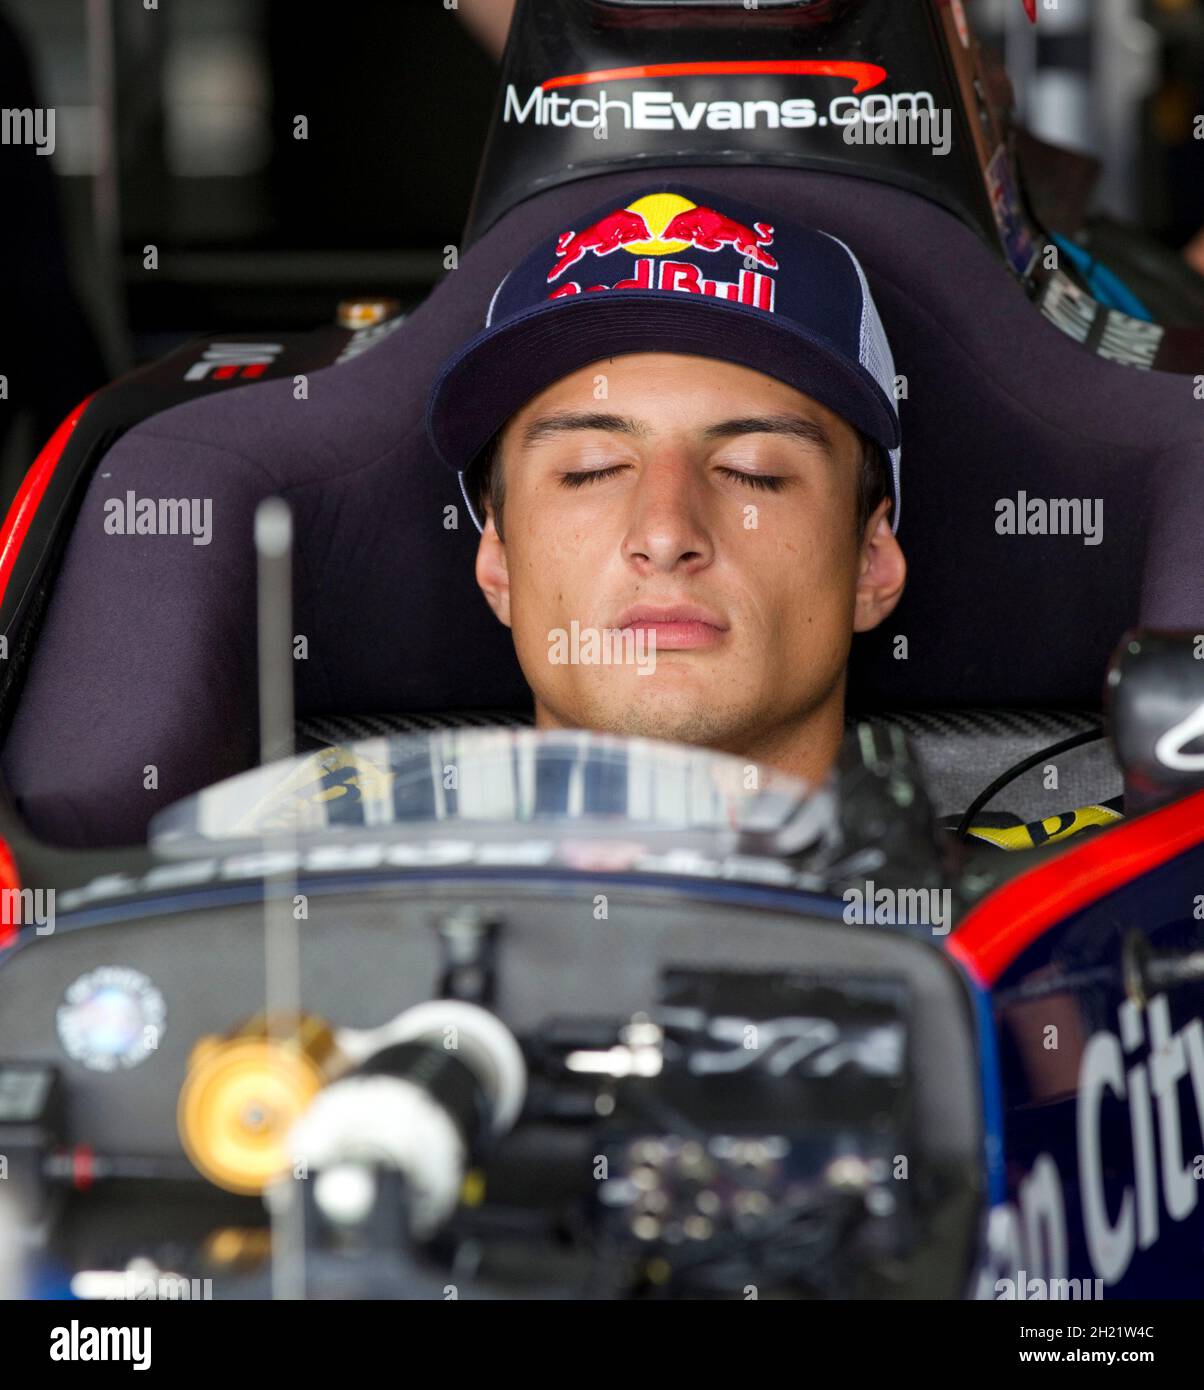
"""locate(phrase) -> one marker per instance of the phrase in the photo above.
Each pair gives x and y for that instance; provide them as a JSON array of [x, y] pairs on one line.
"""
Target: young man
[[701, 453], [677, 434]]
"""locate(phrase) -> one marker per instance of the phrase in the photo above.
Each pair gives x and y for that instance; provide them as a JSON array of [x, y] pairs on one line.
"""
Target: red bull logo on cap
[[662, 225]]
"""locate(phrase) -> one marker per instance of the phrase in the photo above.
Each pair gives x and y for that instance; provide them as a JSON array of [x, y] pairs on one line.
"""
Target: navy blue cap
[[674, 272]]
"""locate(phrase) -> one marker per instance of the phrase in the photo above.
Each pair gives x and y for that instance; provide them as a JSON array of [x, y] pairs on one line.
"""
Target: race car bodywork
[[987, 1079], [1101, 1155]]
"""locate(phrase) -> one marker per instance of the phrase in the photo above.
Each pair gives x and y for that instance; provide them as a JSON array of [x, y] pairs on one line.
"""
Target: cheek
[[548, 587], [810, 582]]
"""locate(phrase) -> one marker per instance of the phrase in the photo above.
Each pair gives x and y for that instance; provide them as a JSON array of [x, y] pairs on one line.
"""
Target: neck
[[806, 746], [806, 749]]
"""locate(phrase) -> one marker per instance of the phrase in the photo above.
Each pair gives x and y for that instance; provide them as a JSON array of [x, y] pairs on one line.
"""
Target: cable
[[963, 826]]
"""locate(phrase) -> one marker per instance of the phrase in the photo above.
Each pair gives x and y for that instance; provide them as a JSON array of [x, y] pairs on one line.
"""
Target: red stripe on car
[[994, 933], [29, 495], [10, 885], [865, 75]]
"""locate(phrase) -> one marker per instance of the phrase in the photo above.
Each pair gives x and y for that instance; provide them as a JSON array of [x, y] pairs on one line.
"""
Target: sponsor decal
[[234, 361], [665, 108], [659, 226], [1047, 831], [1032, 1234], [111, 1019], [364, 338], [1069, 308], [1009, 216], [1128, 340], [750, 288], [791, 1045], [1111, 334]]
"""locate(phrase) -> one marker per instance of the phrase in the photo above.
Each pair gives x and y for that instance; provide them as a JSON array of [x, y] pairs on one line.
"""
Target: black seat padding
[[147, 657]]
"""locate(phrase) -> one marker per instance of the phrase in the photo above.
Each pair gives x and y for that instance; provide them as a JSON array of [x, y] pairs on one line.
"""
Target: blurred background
[[175, 130]]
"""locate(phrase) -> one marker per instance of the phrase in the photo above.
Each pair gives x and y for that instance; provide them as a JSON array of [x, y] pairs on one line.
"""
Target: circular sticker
[[111, 1018]]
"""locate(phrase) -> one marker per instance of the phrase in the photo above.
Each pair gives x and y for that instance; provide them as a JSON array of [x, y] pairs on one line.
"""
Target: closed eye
[[767, 482], [582, 476]]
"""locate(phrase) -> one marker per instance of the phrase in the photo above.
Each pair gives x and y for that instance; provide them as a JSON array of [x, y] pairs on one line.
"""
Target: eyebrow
[[566, 423], [791, 426]]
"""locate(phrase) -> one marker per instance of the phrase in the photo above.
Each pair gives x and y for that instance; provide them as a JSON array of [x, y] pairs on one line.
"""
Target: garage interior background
[[174, 128]]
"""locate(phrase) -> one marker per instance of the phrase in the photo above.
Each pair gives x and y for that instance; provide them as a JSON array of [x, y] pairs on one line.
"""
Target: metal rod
[[282, 945]]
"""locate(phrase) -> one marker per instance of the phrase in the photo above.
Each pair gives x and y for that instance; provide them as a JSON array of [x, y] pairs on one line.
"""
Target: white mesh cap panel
[[878, 360]]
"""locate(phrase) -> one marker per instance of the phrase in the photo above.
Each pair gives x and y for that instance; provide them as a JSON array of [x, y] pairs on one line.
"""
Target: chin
[[661, 716]]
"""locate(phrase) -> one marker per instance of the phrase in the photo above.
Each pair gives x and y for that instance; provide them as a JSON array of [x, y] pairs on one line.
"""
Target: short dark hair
[[485, 481]]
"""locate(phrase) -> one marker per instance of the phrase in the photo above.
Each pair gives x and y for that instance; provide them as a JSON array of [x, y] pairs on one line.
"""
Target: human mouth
[[682, 627]]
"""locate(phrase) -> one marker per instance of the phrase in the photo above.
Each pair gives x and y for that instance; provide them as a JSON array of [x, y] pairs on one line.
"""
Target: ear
[[882, 572], [493, 574]]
